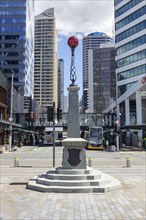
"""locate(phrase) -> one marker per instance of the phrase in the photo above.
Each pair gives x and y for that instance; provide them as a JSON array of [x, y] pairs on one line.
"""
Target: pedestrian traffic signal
[[117, 129], [59, 113], [50, 113]]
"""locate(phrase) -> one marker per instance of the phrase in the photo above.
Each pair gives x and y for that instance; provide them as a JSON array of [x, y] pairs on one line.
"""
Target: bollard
[[1, 149], [90, 162], [128, 162], [113, 148], [16, 162]]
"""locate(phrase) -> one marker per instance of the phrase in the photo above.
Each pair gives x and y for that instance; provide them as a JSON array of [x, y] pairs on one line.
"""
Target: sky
[[77, 18]]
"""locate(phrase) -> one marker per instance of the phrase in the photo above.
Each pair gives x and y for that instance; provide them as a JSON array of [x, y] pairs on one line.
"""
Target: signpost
[[53, 134], [11, 114]]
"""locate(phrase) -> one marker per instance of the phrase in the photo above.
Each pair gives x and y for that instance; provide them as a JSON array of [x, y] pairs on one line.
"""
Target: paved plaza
[[18, 202]]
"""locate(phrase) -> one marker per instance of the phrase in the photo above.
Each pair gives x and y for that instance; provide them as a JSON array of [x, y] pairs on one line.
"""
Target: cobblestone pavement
[[17, 202]]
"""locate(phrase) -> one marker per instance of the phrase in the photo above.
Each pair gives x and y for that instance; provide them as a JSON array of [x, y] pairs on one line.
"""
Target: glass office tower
[[130, 43], [91, 41], [17, 42], [102, 82]]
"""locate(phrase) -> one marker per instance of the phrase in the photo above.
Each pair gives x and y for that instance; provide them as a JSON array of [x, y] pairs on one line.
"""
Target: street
[[17, 202]]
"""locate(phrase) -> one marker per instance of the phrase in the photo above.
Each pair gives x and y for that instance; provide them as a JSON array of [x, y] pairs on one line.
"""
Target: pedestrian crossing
[[40, 149]]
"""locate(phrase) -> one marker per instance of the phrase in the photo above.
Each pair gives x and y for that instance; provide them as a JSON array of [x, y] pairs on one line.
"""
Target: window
[[130, 18], [130, 59], [133, 44], [126, 7], [132, 72], [116, 2], [137, 28]]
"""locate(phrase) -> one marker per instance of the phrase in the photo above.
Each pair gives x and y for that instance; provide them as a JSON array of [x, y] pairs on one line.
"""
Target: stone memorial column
[[73, 113], [74, 156]]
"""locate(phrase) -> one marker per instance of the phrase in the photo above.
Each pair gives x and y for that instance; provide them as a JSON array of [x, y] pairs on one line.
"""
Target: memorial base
[[74, 176], [74, 155]]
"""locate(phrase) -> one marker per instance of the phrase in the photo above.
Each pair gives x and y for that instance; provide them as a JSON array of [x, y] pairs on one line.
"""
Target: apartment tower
[[46, 61]]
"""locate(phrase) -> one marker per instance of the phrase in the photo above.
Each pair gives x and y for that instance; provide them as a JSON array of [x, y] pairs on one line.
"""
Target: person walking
[[140, 145], [107, 144]]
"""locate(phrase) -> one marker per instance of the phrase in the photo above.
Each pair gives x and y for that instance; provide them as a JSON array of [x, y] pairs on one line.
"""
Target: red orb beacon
[[73, 42]]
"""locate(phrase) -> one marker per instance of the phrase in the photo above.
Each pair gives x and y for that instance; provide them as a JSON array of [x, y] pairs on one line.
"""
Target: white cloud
[[80, 15]]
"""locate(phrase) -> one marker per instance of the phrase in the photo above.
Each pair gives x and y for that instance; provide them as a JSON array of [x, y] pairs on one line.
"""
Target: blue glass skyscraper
[[17, 42]]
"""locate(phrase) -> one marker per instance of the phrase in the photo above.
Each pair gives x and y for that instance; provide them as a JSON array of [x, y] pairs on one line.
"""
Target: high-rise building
[[46, 61], [61, 84], [17, 43], [102, 80], [65, 104], [130, 43], [91, 41]]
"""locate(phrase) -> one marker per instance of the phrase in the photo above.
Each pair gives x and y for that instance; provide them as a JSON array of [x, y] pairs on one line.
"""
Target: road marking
[[40, 149]]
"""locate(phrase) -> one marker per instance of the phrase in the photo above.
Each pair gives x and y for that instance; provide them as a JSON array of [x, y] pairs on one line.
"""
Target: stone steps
[[74, 181], [55, 176], [74, 189], [61, 170], [53, 182]]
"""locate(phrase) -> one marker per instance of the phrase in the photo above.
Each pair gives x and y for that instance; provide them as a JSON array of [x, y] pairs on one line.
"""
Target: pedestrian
[[107, 144], [82, 134], [104, 144], [140, 145], [123, 145]]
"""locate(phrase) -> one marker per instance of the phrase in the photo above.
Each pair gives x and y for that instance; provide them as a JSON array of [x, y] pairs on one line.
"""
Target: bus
[[95, 139]]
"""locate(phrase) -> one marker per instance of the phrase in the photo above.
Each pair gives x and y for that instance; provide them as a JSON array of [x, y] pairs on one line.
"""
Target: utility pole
[[11, 115], [53, 134]]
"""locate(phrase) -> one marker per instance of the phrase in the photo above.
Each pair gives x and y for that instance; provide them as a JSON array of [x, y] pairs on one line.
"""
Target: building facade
[[5, 106], [46, 61], [102, 80], [130, 43], [91, 41], [17, 42], [61, 84]]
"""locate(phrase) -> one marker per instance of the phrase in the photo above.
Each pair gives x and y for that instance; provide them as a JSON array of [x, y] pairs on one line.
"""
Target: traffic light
[[50, 113], [59, 113], [17, 118], [27, 117], [117, 127]]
